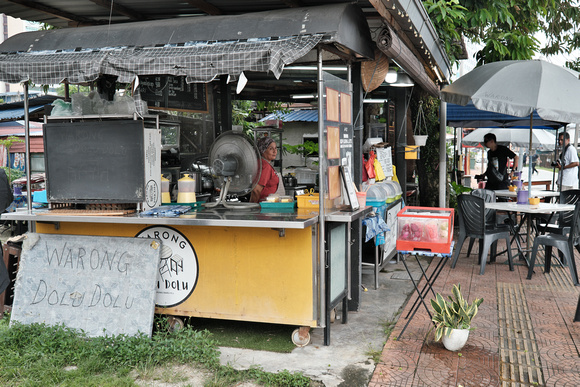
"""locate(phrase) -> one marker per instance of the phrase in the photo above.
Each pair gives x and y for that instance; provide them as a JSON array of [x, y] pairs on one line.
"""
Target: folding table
[[429, 279]]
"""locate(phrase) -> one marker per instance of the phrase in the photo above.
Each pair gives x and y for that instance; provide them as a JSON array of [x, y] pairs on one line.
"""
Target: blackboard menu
[[95, 161], [173, 93]]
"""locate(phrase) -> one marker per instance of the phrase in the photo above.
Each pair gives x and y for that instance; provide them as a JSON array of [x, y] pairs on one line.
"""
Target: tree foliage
[[507, 29]]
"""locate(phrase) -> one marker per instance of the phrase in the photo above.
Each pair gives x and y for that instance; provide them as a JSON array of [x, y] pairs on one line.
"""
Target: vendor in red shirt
[[269, 180]]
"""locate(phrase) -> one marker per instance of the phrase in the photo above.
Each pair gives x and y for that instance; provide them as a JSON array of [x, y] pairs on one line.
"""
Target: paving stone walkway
[[524, 332]]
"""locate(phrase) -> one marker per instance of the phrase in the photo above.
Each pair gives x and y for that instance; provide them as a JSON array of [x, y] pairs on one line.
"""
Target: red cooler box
[[425, 228]]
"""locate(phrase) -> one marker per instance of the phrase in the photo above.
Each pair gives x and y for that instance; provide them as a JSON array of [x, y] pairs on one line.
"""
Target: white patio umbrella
[[541, 138], [519, 88]]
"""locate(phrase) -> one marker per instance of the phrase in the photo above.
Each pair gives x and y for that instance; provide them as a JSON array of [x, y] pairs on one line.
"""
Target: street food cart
[[288, 268]]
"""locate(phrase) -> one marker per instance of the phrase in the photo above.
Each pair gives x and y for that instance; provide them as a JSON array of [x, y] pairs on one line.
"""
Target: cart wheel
[[175, 323], [301, 336], [332, 315]]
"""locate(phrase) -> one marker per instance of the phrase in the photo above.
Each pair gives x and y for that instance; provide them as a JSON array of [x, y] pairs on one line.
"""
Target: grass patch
[[250, 335], [388, 327], [42, 355]]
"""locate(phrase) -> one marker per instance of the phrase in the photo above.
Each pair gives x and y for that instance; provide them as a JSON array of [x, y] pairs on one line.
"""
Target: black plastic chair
[[565, 217], [562, 224], [490, 215], [472, 224], [564, 243]]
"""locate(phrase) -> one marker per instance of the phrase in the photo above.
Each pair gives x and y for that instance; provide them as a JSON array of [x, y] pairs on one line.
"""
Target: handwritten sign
[[102, 285], [384, 156]]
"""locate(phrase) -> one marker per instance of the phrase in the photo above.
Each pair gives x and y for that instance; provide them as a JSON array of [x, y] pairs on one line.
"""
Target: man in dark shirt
[[497, 158]]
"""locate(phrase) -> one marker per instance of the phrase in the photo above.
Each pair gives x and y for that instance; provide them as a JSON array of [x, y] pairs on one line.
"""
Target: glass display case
[[425, 228]]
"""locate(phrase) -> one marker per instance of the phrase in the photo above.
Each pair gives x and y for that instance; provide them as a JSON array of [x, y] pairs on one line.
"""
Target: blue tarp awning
[[469, 116]]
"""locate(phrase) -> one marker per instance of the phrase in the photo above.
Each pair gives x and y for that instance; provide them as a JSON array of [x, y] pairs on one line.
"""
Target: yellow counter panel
[[249, 274]]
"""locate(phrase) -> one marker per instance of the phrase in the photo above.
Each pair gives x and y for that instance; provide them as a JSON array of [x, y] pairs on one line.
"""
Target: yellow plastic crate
[[308, 201]]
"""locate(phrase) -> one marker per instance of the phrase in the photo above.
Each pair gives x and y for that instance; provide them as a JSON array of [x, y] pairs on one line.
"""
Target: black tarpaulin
[[199, 48]]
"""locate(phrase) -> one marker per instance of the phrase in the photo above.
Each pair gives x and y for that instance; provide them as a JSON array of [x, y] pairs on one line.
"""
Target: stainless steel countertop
[[200, 217]]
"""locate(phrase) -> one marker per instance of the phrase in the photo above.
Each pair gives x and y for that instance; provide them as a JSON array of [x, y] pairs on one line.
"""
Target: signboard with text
[[102, 285]]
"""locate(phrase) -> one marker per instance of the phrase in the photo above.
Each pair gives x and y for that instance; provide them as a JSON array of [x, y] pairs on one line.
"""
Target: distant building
[[10, 26]]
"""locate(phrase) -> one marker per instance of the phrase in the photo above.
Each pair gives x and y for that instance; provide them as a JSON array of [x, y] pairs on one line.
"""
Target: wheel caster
[[175, 323], [301, 336], [332, 315]]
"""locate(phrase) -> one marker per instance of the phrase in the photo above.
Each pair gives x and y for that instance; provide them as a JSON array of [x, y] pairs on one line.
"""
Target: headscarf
[[263, 143]]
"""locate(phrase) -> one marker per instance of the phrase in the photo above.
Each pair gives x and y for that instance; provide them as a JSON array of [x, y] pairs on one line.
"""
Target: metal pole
[[442, 155], [321, 189], [27, 142]]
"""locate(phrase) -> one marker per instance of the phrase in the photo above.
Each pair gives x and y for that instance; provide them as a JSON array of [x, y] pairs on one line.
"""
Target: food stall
[[216, 261]]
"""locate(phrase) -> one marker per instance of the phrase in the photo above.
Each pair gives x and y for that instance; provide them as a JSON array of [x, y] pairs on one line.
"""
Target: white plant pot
[[456, 340], [420, 140]]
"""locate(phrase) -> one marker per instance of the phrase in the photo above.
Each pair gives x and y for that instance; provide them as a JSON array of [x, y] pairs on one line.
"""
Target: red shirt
[[268, 179]]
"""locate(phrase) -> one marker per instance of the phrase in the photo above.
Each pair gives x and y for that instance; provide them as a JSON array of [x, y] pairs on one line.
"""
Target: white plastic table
[[506, 193], [541, 208]]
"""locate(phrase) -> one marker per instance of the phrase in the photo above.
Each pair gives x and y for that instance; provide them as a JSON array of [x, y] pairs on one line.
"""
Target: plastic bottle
[[165, 195], [186, 189]]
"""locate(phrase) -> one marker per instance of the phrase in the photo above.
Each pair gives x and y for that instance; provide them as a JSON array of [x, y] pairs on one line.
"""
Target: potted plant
[[306, 150], [452, 318]]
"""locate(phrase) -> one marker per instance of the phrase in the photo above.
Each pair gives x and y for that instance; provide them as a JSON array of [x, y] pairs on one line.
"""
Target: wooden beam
[[54, 11], [120, 9], [206, 7]]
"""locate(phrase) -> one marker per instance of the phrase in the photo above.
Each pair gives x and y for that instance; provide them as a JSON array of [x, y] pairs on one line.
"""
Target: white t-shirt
[[569, 176]]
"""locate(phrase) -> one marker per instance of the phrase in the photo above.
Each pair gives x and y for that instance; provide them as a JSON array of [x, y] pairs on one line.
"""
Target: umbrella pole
[[530, 155]]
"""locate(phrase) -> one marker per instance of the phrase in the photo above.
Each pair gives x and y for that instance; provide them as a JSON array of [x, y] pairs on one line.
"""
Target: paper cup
[[362, 198]]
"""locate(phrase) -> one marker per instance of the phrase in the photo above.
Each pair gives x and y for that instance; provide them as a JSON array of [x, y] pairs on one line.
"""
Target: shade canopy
[[541, 139], [198, 48], [469, 116], [519, 88]]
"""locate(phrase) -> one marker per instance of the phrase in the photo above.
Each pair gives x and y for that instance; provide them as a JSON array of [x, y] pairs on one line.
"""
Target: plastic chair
[[565, 217], [472, 224], [564, 243], [562, 224]]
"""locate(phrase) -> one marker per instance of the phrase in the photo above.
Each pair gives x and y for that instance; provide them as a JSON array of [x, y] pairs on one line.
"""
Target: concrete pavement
[[347, 361]]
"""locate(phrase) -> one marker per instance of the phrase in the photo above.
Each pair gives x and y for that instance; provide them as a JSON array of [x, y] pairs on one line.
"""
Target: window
[[37, 162]]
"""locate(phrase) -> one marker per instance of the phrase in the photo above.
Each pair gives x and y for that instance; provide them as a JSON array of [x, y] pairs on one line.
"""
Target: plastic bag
[[379, 174], [61, 108], [369, 165]]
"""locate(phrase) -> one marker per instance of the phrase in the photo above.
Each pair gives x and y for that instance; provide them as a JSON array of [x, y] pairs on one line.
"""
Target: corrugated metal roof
[[15, 114], [16, 128], [302, 115], [36, 146]]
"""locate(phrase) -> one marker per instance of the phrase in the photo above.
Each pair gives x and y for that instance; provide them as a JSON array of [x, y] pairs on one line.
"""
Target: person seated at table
[[497, 159]]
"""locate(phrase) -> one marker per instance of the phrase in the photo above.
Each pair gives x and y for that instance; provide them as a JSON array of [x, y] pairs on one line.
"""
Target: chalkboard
[[95, 161], [173, 93], [102, 285]]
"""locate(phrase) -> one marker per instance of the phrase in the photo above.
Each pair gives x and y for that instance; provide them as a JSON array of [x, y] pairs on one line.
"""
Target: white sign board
[[102, 285], [384, 156]]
